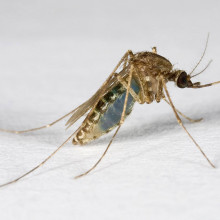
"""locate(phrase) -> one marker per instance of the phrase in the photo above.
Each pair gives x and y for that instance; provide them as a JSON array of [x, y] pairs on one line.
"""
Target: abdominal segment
[[107, 114]]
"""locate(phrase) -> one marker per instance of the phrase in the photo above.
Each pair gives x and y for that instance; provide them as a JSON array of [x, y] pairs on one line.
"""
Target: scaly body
[[108, 111]]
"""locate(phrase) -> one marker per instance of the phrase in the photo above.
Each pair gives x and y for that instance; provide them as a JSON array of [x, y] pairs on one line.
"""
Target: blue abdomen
[[111, 117], [107, 114]]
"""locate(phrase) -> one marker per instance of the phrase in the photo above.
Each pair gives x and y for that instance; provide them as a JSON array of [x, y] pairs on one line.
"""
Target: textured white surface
[[53, 56]]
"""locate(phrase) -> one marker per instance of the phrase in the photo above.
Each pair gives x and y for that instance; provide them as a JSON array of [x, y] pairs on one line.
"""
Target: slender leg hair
[[181, 123], [119, 126]]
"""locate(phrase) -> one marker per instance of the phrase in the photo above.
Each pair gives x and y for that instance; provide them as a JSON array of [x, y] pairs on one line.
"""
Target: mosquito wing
[[86, 106]]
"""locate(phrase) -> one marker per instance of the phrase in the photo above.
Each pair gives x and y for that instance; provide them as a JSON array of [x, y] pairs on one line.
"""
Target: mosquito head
[[182, 79]]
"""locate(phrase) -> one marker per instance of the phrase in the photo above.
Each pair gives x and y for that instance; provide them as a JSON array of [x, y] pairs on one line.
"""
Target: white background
[[53, 56]]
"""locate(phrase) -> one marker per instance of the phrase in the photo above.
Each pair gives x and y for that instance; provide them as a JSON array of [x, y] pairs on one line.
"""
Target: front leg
[[181, 123]]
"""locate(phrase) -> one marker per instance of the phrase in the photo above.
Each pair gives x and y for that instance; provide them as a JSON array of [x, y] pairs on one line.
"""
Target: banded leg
[[119, 126], [186, 117], [181, 123]]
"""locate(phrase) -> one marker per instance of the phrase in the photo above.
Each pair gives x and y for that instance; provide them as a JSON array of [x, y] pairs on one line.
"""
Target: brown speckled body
[[152, 64], [149, 67]]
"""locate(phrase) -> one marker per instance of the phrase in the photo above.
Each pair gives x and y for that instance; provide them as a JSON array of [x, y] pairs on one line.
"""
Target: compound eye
[[182, 81]]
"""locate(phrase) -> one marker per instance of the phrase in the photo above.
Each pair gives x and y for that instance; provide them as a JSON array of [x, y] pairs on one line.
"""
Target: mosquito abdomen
[[107, 114]]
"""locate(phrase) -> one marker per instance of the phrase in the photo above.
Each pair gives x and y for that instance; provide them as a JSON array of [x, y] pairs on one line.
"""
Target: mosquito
[[143, 78]]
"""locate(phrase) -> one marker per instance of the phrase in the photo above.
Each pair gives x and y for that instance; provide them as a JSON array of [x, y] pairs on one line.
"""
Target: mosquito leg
[[38, 128], [119, 126], [39, 165], [181, 123], [189, 119]]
